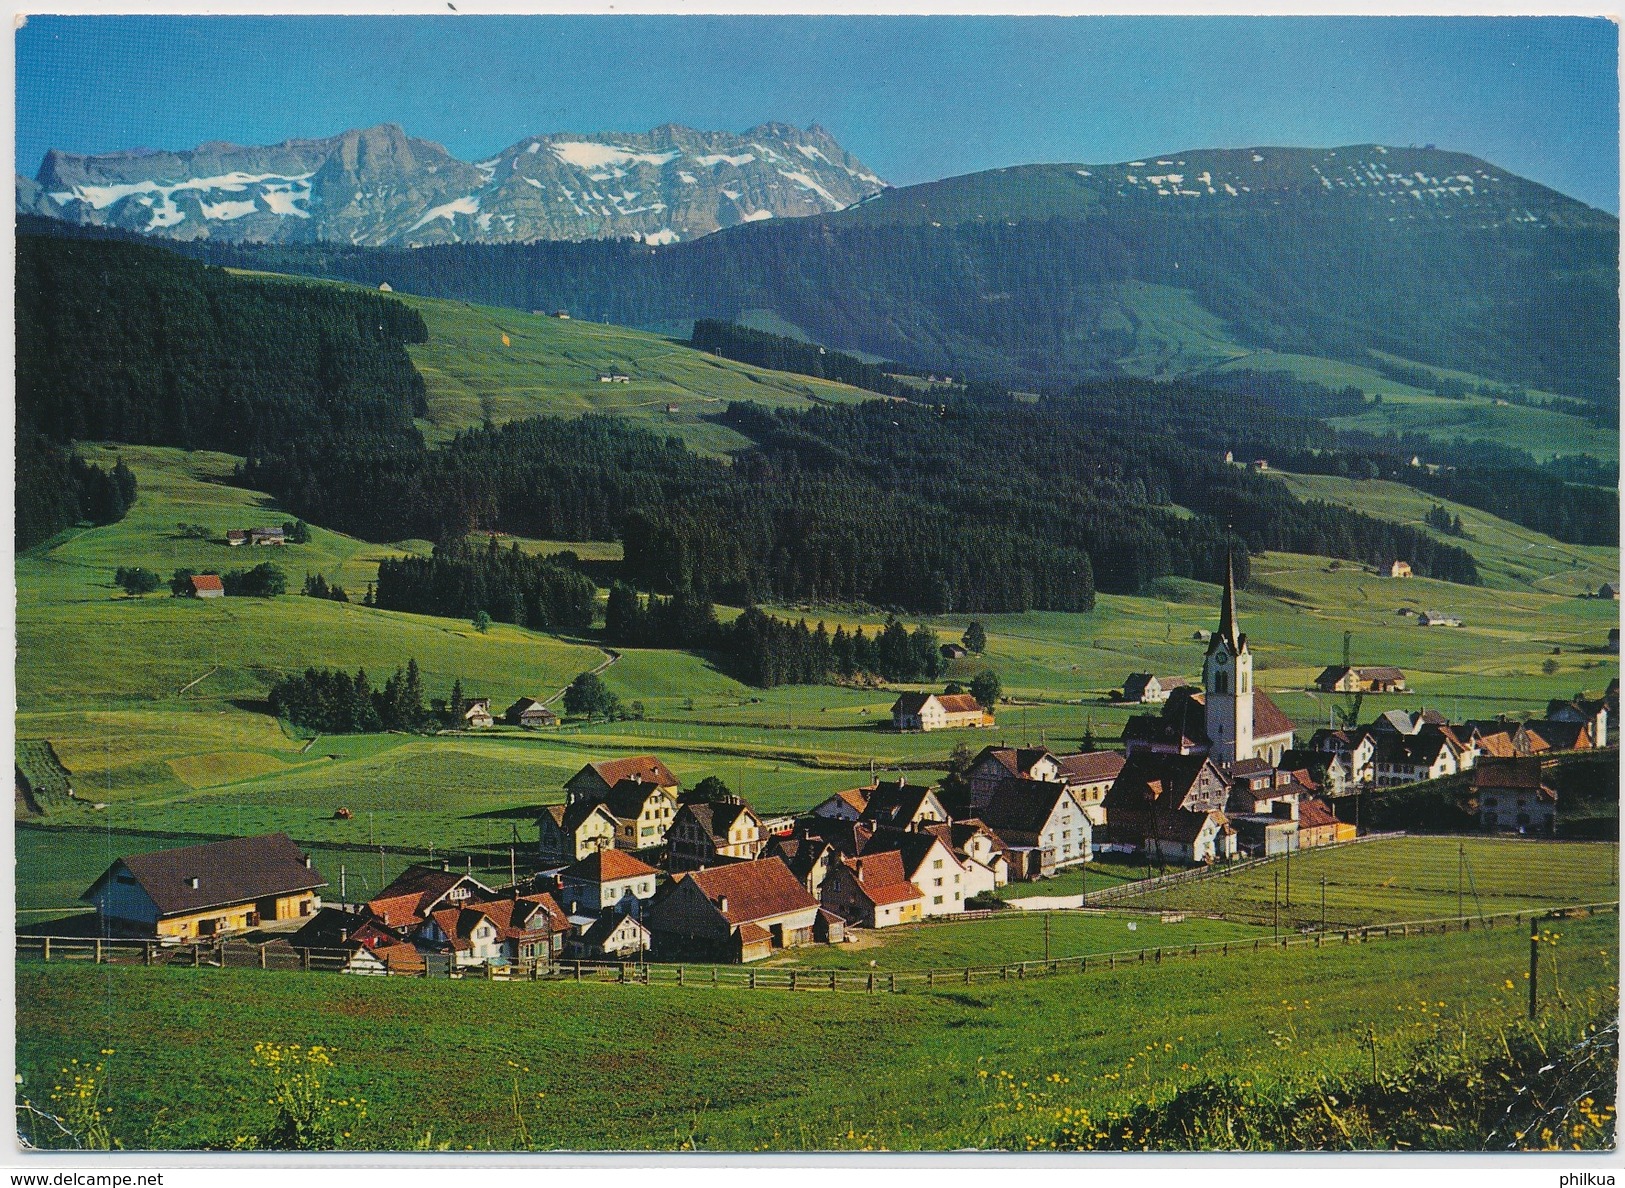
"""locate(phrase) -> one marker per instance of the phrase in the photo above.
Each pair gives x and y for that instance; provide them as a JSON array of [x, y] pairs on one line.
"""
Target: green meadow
[[993, 1065]]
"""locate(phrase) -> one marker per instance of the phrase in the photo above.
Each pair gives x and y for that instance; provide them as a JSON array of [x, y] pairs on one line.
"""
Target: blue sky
[[916, 98]]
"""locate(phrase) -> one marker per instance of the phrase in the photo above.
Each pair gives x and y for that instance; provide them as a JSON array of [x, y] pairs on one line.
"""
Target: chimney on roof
[[194, 882], [344, 935], [445, 865], [722, 903], [307, 861]]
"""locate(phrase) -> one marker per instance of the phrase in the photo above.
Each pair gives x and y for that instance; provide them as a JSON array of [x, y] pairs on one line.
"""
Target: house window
[[936, 882], [936, 899], [937, 865]]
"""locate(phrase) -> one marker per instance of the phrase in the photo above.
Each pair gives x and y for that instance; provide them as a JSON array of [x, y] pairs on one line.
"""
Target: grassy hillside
[[550, 366], [1509, 556], [992, 1065]]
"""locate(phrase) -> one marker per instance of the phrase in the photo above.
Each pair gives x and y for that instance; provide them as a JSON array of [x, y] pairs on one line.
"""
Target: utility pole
[[381, 881], [1461, 862], [1534, 962], [1289, 848], [344, 900], [1323, 903], [513, 870], [1275, 927], [1046, 936]]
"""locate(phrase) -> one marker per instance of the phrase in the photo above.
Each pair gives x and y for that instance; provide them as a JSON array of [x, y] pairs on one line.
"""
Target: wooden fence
[[1219, 870], [230, 954]]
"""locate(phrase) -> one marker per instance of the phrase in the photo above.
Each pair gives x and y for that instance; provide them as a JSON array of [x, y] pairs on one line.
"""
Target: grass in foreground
[[491, 1065]]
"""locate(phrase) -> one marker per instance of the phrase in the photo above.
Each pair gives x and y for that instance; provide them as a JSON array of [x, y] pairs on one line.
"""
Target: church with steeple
[[1229, 721]]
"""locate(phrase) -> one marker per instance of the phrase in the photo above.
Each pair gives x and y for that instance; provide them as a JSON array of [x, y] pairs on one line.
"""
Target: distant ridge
[[378, 186]]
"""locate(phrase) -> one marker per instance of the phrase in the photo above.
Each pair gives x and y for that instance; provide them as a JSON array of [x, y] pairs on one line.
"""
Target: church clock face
[[1220, 659]]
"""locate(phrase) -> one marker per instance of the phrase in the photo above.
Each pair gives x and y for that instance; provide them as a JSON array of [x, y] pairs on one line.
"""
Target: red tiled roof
[[650, 769], [756, 889], [206, 581], [606, 865], [1315, 813], [1268, 720], [753, 934], [959, 703], [1522, 772]]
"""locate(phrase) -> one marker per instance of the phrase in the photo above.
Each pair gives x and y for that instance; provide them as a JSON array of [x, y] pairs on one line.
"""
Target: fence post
[[893, 987], [753, 979], [792, 979], [930, 977], [967, 975], [713, 975], [98, 957], [45, 950], [146, 955], [871, 986], [578, 969], [262, 956], [679, 975], [1159, 956], [832, 979], [622, 977]]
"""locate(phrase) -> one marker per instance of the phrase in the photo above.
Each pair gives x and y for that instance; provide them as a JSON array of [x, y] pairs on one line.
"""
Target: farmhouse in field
[[207, 585], [530, 713], [938, 711], [1512, 798], [1143, 688], [1399, 569], [477, 715], [273, 536], [1340, 678], [739, 912], [208, 890], [614, 377], [236, 537], [1436, 619]]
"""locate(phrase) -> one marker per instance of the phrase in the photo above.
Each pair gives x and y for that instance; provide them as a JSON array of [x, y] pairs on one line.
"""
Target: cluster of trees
[[56, 489], [263, 581], [334, 702], [780, 353], [1439, 518], [317, 586], [588, 697], [461, 580], [136, 581]]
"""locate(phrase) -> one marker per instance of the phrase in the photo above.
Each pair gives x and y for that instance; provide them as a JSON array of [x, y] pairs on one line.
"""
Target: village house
[[1171, 806], [938, 711], [531, 714], [614, 377], [207, 585], [1089, 775], [236, 537], [871, 891], [1357, 748], [643, 813], [1561, 735], [595, 781], [1608, 590], [1318, 825], [1042, 825], [1511, 797], [952, 651], [809, 858], [1328, 769], [1399, 569], [739, 912], [903, 806], [272, 536], [614, 936], [360, 945], [1589, 712], [993, 765], [1431, 753], [1340, 678], [931, 865], [702, 834], [1142, 688], [1437, 619], [978, 849], [847, 805], [605, 880], [205, 891], [419, 891], [573, 831], [1256, 787], [478, 714], [503, 931], [1266, 834]]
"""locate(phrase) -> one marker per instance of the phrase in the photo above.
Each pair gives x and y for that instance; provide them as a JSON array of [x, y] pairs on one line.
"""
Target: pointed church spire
[[1227, 608]]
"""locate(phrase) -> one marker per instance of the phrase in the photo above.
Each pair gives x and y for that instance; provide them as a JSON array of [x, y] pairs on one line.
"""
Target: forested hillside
[[123, 342]]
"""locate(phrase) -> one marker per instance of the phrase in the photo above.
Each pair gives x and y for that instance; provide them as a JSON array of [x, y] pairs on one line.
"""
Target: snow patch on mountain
[[587, 154], [449, 211]]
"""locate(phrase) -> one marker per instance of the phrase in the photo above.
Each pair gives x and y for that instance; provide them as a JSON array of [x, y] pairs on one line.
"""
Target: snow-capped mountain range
[[378, 186]]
